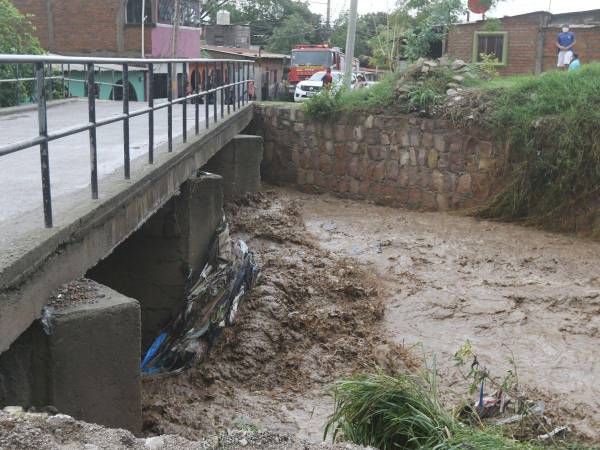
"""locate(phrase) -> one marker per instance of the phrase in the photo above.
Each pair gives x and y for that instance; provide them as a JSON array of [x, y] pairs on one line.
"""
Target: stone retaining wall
[[395, 160]]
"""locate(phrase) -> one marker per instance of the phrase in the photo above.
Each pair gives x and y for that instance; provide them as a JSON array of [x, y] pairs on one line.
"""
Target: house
[[525, 44], [113, 28], [269, 69]]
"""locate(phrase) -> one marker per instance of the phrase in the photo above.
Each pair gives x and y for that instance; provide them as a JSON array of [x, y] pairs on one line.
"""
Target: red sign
[[479, 6]]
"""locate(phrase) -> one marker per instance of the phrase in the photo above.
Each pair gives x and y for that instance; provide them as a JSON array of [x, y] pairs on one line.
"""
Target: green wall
[[77, 88]]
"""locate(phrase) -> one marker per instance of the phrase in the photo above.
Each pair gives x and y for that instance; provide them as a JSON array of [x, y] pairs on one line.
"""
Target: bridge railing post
[[150, 82], [92, 120], [43, 133], [184, 106], [17, 87], [215, 95], [229, 88], [206, 95], [239, 84], [222, 94], [170, 105], [126, 156], [196, 80]]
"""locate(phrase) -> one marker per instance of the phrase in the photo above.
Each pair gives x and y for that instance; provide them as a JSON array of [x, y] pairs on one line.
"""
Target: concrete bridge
[[149, 221]]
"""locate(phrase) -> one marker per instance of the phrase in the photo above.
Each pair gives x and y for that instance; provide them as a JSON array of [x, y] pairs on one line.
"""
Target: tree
[[366, 28], [16, 37], [264, 16], [293, 31], [432, 20], [386, 44]]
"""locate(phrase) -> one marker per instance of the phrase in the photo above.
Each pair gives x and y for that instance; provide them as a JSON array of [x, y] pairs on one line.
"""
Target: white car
[[307, 88]]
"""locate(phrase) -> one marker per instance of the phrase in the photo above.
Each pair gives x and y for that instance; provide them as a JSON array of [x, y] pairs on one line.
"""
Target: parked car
[[307, 88]]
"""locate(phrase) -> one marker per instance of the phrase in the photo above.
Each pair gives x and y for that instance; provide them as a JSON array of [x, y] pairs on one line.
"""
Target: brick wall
[[80, 26], [587, 46], [396, 160], [37, 9], [522, 42]]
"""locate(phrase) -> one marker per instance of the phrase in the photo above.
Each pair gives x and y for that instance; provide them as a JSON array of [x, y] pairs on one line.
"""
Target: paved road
[[20, 178]]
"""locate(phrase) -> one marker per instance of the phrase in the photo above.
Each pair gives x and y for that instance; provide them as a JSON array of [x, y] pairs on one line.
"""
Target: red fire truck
[[310, 59]]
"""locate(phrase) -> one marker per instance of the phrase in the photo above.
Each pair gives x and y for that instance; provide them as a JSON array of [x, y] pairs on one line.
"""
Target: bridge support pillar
[[154, 263], [239, 165], [87, 366]]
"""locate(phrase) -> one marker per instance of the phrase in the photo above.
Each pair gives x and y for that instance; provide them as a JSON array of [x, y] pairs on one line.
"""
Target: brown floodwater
[[513, 292]]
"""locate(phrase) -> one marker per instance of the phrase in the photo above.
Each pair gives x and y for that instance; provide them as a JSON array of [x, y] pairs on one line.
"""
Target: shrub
[[329, 103], [16, 37], [325, 104]]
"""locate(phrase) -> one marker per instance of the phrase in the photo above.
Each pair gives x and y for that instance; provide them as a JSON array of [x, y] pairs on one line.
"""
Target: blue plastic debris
[[212, 304]]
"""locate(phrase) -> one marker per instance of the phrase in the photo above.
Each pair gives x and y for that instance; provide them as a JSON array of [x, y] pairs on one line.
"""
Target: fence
[[230, 83]]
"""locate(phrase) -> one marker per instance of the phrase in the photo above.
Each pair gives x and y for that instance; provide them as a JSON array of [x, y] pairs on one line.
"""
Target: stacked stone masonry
[[407, 161]]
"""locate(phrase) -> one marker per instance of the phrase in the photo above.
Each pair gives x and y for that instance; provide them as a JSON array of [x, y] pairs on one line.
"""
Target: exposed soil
[[312, 318]]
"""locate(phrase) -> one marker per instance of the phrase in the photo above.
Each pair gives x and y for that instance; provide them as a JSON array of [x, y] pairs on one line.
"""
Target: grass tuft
[[388, 413]]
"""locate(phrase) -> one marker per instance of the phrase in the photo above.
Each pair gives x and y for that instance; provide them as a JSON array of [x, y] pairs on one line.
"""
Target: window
[[134, 12], [490, 43], [190, 12], [311, 58]]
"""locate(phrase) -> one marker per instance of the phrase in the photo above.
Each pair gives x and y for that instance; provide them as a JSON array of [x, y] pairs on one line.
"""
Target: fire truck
[[310, 59]]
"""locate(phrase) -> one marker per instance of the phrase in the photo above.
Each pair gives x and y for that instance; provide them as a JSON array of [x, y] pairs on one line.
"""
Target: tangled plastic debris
[[212, 304]]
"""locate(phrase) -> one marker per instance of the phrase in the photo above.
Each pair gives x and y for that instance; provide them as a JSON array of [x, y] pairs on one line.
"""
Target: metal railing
[[232, 86]]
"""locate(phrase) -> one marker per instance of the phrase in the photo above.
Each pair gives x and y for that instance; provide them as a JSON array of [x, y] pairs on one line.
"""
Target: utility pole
[[350, 43], [174, 36], [143, 28], [176, 20], [328, 21]]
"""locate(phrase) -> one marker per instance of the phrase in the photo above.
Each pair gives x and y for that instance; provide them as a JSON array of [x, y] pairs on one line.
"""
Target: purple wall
[[188, 42]]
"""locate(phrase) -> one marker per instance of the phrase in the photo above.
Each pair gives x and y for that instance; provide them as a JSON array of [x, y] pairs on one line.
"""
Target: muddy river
[[425, 281]]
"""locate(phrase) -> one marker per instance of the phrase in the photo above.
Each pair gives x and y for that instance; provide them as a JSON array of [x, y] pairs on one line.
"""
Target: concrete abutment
[[85, 364], [239, 165], [154, 264]]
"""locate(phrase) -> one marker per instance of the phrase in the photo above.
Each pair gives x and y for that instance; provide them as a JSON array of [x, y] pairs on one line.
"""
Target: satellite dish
[[479, 6]]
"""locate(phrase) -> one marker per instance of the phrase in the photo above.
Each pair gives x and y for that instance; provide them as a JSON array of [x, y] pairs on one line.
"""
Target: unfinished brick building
[[113, 27], [525, 44]]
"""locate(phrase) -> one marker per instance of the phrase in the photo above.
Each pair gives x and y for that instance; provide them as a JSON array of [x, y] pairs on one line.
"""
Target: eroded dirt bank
[[312, 318], [344, 281]]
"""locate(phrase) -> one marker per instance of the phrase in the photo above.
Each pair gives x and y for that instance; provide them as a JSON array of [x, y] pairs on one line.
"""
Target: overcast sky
[[507, 8]]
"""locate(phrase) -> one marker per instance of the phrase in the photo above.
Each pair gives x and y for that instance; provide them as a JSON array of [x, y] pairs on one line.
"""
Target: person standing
[[565, 42], [327, 78]]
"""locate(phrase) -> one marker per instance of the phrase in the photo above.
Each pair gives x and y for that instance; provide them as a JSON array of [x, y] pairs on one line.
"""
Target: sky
[[506, 8]]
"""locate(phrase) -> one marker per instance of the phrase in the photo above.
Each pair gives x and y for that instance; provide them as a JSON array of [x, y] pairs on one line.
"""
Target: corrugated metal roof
[[247, 52]]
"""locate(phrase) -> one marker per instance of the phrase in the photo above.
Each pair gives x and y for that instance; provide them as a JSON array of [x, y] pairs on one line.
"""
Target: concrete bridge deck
[[34, 260], [20, 176]]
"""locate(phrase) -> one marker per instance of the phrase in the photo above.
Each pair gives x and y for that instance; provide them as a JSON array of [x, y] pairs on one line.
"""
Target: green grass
[[402, 411], [551, 125]]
